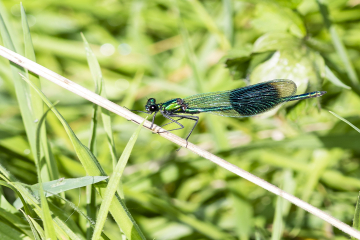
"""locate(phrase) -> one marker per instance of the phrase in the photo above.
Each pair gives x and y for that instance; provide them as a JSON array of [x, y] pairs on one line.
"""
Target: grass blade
[[35, 231], [332, 78], [46, 216], [216, 128], [61, 185], [338, 44], [118, 209], [97, 77], [113, 184], [50, 172], [356, 222], [210, 24], [346, 121], [22, 91]]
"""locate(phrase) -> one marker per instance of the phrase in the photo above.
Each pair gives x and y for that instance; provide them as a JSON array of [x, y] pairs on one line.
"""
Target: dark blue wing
[[243, 102]]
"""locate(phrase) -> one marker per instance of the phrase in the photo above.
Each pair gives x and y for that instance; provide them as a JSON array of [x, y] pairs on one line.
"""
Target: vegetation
[[134, 50]]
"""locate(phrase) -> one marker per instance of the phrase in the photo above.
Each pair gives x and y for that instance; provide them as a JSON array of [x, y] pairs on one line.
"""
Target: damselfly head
[[151, 106]]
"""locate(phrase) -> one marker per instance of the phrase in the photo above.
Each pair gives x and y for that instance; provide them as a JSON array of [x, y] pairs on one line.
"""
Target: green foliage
[[137, 49]]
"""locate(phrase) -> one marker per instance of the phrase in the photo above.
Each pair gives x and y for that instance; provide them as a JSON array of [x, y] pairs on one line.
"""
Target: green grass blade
[[243, 212], [9, 233], [161, 205], [97, 77], [118, 209], [15, 220], [210, 24], [338, 44], [130, 95], [33, 227], [332, 78], [87, 159], [22, 91], [46, 216], [321, 159], [216, 128], [190, 56], [228, 20], [278, 224], [2, 183], [50, 171], [113, 184], [99, 89], [12, 31], [356, 222], [282, 206], [61, 228], [61, 185], [346, 121]]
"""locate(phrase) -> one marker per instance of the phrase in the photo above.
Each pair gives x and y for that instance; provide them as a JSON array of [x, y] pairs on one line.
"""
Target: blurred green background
[[166, 49]]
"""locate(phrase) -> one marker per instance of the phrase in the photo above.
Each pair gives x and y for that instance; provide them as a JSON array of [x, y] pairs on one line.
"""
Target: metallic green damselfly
[[241, 102]]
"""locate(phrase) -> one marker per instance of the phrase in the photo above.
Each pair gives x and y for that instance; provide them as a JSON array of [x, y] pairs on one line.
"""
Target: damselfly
[[241, 102]]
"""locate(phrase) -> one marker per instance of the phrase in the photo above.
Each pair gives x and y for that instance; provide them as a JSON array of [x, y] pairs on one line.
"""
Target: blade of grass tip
[[37, 105], [105, 115], [332, 78], [87, 159], [356, 222], [113, 183], [338, 44], [32, 226], [346, 121], [27, 210], [12, 30], [92, 167], [97, 77], [99, 89], [21, 89], [60, 225], [47, 219]]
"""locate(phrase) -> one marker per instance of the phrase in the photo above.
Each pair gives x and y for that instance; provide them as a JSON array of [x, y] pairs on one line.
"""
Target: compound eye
[[152, 108]]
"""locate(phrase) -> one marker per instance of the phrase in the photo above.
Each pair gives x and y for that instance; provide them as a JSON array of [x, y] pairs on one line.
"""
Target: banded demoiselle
[[241, 102]]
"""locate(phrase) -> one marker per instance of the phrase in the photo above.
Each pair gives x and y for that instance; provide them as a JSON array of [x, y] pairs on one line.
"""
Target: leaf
[[238, 66], [298, 64], [62, 185], [276, 41]]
